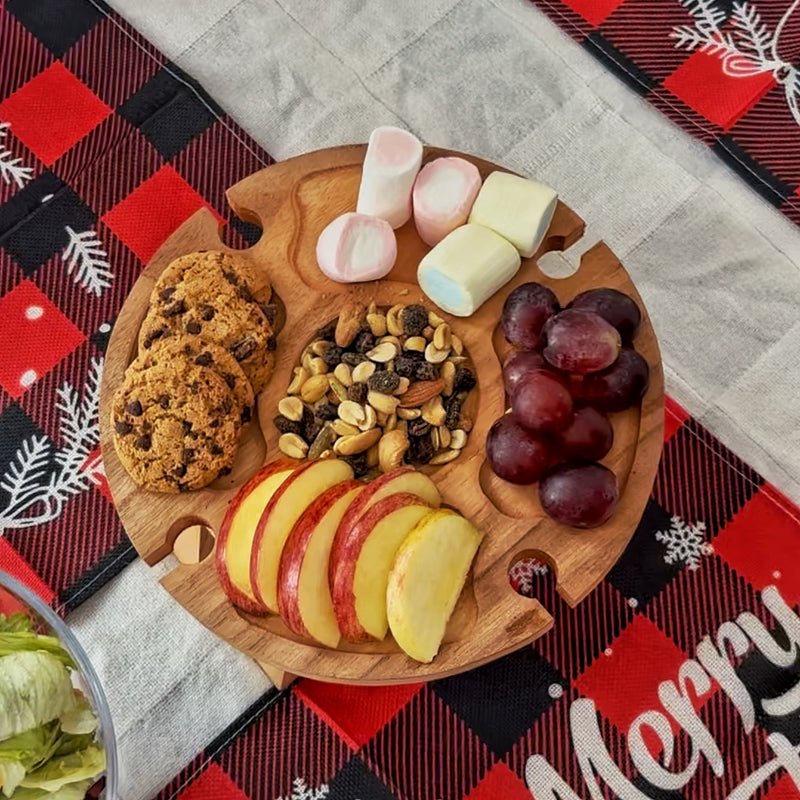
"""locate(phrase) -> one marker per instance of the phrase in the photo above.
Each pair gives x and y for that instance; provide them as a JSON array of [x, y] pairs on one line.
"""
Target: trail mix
[[379, 389]]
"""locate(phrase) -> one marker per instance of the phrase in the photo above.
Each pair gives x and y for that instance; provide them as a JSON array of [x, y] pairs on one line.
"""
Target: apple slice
[[235, 539], [360, 575], [426, 580], [291, 499], [304, 598]]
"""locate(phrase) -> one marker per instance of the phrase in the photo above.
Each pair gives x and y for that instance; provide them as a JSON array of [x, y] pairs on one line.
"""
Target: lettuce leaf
[[27, 641], [11, 773], [35, 688], [80, 719], [84, 765], [72, 791], [16, 623]]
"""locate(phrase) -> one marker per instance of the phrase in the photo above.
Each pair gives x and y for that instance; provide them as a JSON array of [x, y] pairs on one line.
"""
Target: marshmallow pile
[[478, 233]]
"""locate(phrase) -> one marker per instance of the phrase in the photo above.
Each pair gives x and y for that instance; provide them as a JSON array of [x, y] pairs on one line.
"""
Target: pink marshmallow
[[356, 247], [443, 195]]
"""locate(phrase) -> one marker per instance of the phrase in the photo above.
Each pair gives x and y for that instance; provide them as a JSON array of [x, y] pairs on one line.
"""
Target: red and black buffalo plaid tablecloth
[[679, 677], [726, 71]]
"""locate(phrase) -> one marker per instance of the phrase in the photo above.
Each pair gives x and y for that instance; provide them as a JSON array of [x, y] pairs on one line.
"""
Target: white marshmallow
[[517, 208], [356, 247], [443, 195], [466, 268], [390, 167]]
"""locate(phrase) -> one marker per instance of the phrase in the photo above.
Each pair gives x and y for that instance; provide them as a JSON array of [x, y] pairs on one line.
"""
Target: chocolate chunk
[[179, 471], [215, 423], [195, 387], [152, 336], [193, 327], [272, 344], [247, 414], [187, 427], [244, 349], [188, 455], [215, 449], [134, 408], [166, 293], [176, 308], [205, 360], [244, 292], [223, 472], [122, 428], [231, 277], [143, 442], [163, 400], [207, 312]]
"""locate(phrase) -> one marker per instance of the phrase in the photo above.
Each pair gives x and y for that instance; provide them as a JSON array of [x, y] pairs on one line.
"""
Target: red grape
[[620, 386], [525, 311], [582, 495], [580, 341], [589, 436], [518, 364], [514, 454], [541, 402], [614, 307]]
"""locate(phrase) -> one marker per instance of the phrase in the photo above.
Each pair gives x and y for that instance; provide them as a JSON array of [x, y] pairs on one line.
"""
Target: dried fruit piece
[[414, 319], [385, 382]]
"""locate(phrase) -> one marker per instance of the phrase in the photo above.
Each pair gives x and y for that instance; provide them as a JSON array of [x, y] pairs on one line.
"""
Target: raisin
[[193, 327], [358, 463], [414, 319], [244, 349], [364, 341], [311, 429], [464, 380], [134, 408], [207, 312], [405, 366], [332, 355], [122, 428], [143, 443], [384, 382], [163, 400], [326, 412], [425, 371], [418, 427], [166, 293], [178, 307], [357, 392], [188, 455], [420, 449], [453, 413], [285, 425], [353, 359]]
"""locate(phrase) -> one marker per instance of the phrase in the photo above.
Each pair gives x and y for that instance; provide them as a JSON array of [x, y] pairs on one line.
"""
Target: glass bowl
[[14, 596]]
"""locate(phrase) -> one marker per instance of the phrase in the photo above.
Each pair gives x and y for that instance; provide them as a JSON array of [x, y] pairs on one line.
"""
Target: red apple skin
[[262, 524], [344, 555], [294, 553], [236, 595]]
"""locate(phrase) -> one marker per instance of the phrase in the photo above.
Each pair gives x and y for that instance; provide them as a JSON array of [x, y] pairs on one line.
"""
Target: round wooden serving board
[[292, 202]]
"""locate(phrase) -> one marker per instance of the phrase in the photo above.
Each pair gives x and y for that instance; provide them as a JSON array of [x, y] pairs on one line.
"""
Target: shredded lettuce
[[16, 623], [72, 791]]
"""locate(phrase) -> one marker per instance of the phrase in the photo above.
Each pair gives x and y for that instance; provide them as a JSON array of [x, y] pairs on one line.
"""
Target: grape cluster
[[569, 368]]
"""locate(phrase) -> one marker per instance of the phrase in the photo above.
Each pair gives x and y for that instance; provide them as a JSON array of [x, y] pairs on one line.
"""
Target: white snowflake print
[[302, 792], [746, 46], [685, 544], [33, 499], [12, 169], [84, 255], [524, 572]]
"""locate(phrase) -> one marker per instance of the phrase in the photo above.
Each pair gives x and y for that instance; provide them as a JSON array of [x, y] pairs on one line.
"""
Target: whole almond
[[420, 392], [314, 388], [352, 445], [290, 444], [349, 323]]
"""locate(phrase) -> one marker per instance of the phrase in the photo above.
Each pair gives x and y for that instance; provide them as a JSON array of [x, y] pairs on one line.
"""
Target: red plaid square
[[357, 713], [674, 417], [500, 781], [594, 11], [52, 112], [133, 219], [784, 789], [703, 85], [34, 336], [758, 539], [213, 784], [624, 681], [16, 566]]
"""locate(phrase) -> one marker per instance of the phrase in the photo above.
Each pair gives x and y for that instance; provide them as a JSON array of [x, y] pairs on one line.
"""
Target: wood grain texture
[[293, 201]]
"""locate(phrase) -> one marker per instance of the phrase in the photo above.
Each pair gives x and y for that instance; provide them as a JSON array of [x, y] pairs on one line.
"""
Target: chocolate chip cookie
[[174, 429], [215, 267], [204, 354], [218, 313]]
